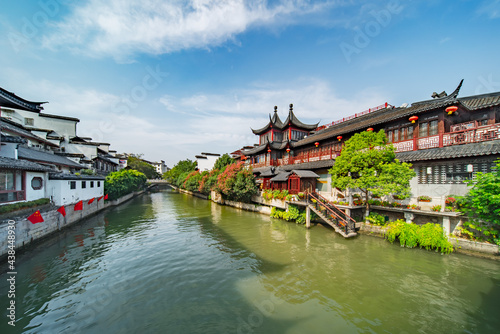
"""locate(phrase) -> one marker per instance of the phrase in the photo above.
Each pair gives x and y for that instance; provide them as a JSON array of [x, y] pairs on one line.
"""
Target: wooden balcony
[[465, 135]]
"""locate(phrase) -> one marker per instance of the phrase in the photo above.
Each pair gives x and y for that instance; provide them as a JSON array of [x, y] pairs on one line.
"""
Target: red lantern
[[369, 129], [269, 150], [288, 149], [316, 144], [339, 138], [413, 119], [451, 110]]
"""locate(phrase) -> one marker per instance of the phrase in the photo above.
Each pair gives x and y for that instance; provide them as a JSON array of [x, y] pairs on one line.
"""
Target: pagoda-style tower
[[277, 138], [292, 129]]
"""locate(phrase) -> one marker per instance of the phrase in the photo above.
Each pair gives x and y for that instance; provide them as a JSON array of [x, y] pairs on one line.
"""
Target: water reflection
[[168, 262]]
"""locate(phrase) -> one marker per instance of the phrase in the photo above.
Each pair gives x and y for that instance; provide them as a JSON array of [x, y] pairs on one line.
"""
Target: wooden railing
[[464, 136], [333, 213]]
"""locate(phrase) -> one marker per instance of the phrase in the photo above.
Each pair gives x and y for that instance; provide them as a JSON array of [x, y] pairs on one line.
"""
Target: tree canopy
[[182, 167], [369, 163], [135, 162], [223, 161], [483, 199]]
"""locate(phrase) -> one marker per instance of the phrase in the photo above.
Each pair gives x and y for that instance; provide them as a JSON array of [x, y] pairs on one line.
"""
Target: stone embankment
[[26, 232]]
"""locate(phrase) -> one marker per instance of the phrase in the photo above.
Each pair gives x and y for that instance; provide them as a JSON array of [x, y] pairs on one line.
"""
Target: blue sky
[[172, 79]]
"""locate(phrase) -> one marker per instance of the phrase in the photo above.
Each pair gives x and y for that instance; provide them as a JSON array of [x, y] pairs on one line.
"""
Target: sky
[[172, 79]]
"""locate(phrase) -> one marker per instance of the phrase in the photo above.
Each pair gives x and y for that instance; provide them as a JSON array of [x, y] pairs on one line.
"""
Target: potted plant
[[424, 198], [436, 208]]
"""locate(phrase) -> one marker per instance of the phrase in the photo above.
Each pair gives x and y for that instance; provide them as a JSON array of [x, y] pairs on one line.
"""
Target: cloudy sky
[[171, 79]]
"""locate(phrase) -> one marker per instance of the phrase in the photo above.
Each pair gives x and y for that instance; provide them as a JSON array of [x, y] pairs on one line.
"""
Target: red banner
[[79, 206], [62, 211], [91, 201], [36, 217]]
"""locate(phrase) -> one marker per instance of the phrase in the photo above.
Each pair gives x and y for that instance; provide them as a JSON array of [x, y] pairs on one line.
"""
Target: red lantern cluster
[[413, 119]]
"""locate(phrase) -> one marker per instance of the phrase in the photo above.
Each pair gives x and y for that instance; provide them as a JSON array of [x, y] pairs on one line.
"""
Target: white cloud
[[189, 125], [122, 28]]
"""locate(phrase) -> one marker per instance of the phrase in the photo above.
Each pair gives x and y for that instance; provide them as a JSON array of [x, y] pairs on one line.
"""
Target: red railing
[[382, 106], [464, 136]]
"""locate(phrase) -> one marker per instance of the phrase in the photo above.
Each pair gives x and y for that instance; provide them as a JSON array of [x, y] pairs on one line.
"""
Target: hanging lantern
[[369, 129], [413, 119], [451, 110], [269, 150], [288, 149], [339, 138], [316, 144]]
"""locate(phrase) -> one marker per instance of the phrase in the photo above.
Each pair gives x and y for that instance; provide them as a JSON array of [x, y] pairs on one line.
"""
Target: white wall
[[32, 194], [66, 128], [208, 163], [62, 194]]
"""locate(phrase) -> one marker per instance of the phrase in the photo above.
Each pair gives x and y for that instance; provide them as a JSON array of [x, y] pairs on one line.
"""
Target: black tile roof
[[276, 123], [310, 165], [10, 163], [67, 176], [13, 139], [45, 157], [11, 100], [455, 151], [385, 115], [281, 177], [11, 126]]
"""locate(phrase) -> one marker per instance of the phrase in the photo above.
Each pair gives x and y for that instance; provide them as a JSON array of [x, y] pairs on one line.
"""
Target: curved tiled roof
[[276, 123], [45, 157], [385, 115], [449, 152], [10, 163]]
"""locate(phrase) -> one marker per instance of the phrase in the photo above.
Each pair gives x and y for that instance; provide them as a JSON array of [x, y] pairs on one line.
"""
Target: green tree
[[135, 162], [183, 166], [367, 162], [223, 161], [483, 199], [122, 182]]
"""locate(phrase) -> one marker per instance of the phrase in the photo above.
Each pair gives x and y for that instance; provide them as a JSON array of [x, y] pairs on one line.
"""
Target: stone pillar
[[446, 226], [409, 217], [308, 217]]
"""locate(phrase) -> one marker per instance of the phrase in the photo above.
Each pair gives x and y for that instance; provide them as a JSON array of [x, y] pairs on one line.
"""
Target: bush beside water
[[428, 236]]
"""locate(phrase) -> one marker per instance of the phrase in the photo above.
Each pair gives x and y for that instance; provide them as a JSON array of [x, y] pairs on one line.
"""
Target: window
[[72, 185], [98, 184], [389, 136], [10, 186], [91, 184], [36, 183], [29, 121], [483, 122], [428, 129], [84, 185]]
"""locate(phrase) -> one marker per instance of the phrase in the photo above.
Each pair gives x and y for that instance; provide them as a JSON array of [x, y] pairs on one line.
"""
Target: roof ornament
[[275, 108], [440, 95]]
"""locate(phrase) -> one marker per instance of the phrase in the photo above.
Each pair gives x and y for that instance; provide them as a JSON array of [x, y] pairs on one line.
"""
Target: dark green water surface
[[171, 263]]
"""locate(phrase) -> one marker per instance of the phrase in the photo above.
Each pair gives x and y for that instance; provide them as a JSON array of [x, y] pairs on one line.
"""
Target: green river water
[[171, 263]]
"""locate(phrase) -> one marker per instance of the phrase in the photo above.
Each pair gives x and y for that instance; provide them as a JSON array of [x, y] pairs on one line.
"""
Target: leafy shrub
[[428, 236], [23, 205], [413, 207], [123, 182], [192, 181], [376, 219], [424, 198], [477, 231]]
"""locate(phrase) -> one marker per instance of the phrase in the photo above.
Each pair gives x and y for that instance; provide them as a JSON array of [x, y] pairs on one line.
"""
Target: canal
[[171, 263]]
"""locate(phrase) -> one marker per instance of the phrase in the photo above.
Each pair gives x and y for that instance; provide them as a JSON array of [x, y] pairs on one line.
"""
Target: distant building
[[161, 167], [206, 161]]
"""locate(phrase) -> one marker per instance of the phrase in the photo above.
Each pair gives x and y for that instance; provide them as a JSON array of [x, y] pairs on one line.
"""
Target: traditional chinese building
[[447, 139]]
